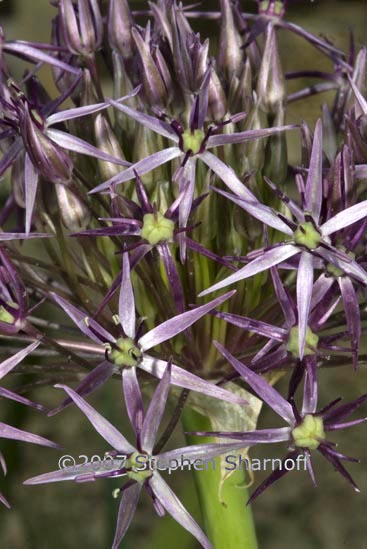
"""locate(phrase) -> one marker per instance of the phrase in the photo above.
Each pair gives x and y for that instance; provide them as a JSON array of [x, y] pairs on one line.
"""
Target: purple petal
[[345, 218], [147, 121], [172, 504], [241, 137], [6, 431], [361, 100], [352, 314], [173, 276], [261, 387], [10, 363], [284, 299], [128, 504], [90, 383], [25, 50], [4, 501], [30, 184], [170, 328], [142, 167], [349, 267], [126, 300], [313, 195], [304, 294], [73, 471], [265, 261], [249, 438], [249, 202], [155, 412], [101, 424], [200, 451], [187, 380], [337, 465], [133, 399], [75, 144], [273, 477], [5, 393], [70, 114], [83, 322], [23, 236], [310, 387], [262, 328], [343, 411]]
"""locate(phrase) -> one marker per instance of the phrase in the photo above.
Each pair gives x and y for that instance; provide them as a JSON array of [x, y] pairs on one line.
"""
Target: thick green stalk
[[228, 523]]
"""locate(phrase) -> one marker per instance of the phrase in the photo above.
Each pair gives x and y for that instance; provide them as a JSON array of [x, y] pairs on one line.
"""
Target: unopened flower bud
[[229, 52], [271, 83], [108, 143], [83, 32], [120, 21], [74, 212], [276, 158]]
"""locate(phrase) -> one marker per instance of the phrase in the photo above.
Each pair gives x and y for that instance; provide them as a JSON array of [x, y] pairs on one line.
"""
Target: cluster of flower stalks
[[153, 232]]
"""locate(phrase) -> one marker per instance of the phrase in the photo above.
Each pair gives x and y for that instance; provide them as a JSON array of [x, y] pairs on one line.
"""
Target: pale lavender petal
[[304, 295], [155, 412], [133, 398], [265, 391], [361, 100], [75, 144], [248, 438], [241, 137], [6, 431], [320, 288], [310, 390], [142, 167], [179, 323], [345, 218], [265, 261], [257, 326], [9, 156], [128, 504], [101, 424], [147, 121], [70, 114], [126, 300], [84, 322], [349, 267], [187, 380], [4, 501], [23, 236], [23, 49], [313, 195], [72, 470], [30, 185], [352, 314], [5, 393], [249, 202], [175, 508], [11, 362], [172, 275], [284, 299]]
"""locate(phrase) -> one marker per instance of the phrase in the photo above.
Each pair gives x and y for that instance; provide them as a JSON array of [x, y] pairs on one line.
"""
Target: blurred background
[[290, 514]]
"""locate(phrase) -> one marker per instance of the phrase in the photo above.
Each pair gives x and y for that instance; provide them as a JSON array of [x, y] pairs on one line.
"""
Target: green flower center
[[311, 342], [140, 468], [192, 140], [157, 228], [127, 354], [306, 235], [310, 433], [5, 316]]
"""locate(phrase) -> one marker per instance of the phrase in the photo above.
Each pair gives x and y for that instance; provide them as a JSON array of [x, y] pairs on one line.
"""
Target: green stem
[[228, 524]]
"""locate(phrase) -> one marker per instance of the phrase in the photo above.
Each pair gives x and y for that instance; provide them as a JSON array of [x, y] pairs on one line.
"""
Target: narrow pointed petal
[[23, 236], [128, 504], [349, 267], [310, 392], [10, 363], [70, 114], [10, 155], [313, 195], [261, 387], [335, 415], [262, 328], [173, 276], [99, 375], [83, 322], [155, 412], [23, 49], [75, 471], [249, 438], [187, 380], [75, 144], [352, 314], [345, 218], [284, 298], [242, 137], [249, 202], [5, 393], [133, 398], [304, 295], [172, 504], [30, 184], [4, 501], [101, 425], [126, 300], [170, 328], [6, 431], [142, 167], [147, 121], [268, 259], [337, 465], [345, 425], [201, 451], [273, 477], [361, 100]]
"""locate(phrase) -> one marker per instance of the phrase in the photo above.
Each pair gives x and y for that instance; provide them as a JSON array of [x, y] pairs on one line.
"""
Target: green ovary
[[311, 342], [192, 140], [142, 470], [127, 353], [306, 235], [157, 228], [5, 316], [310, 433]]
